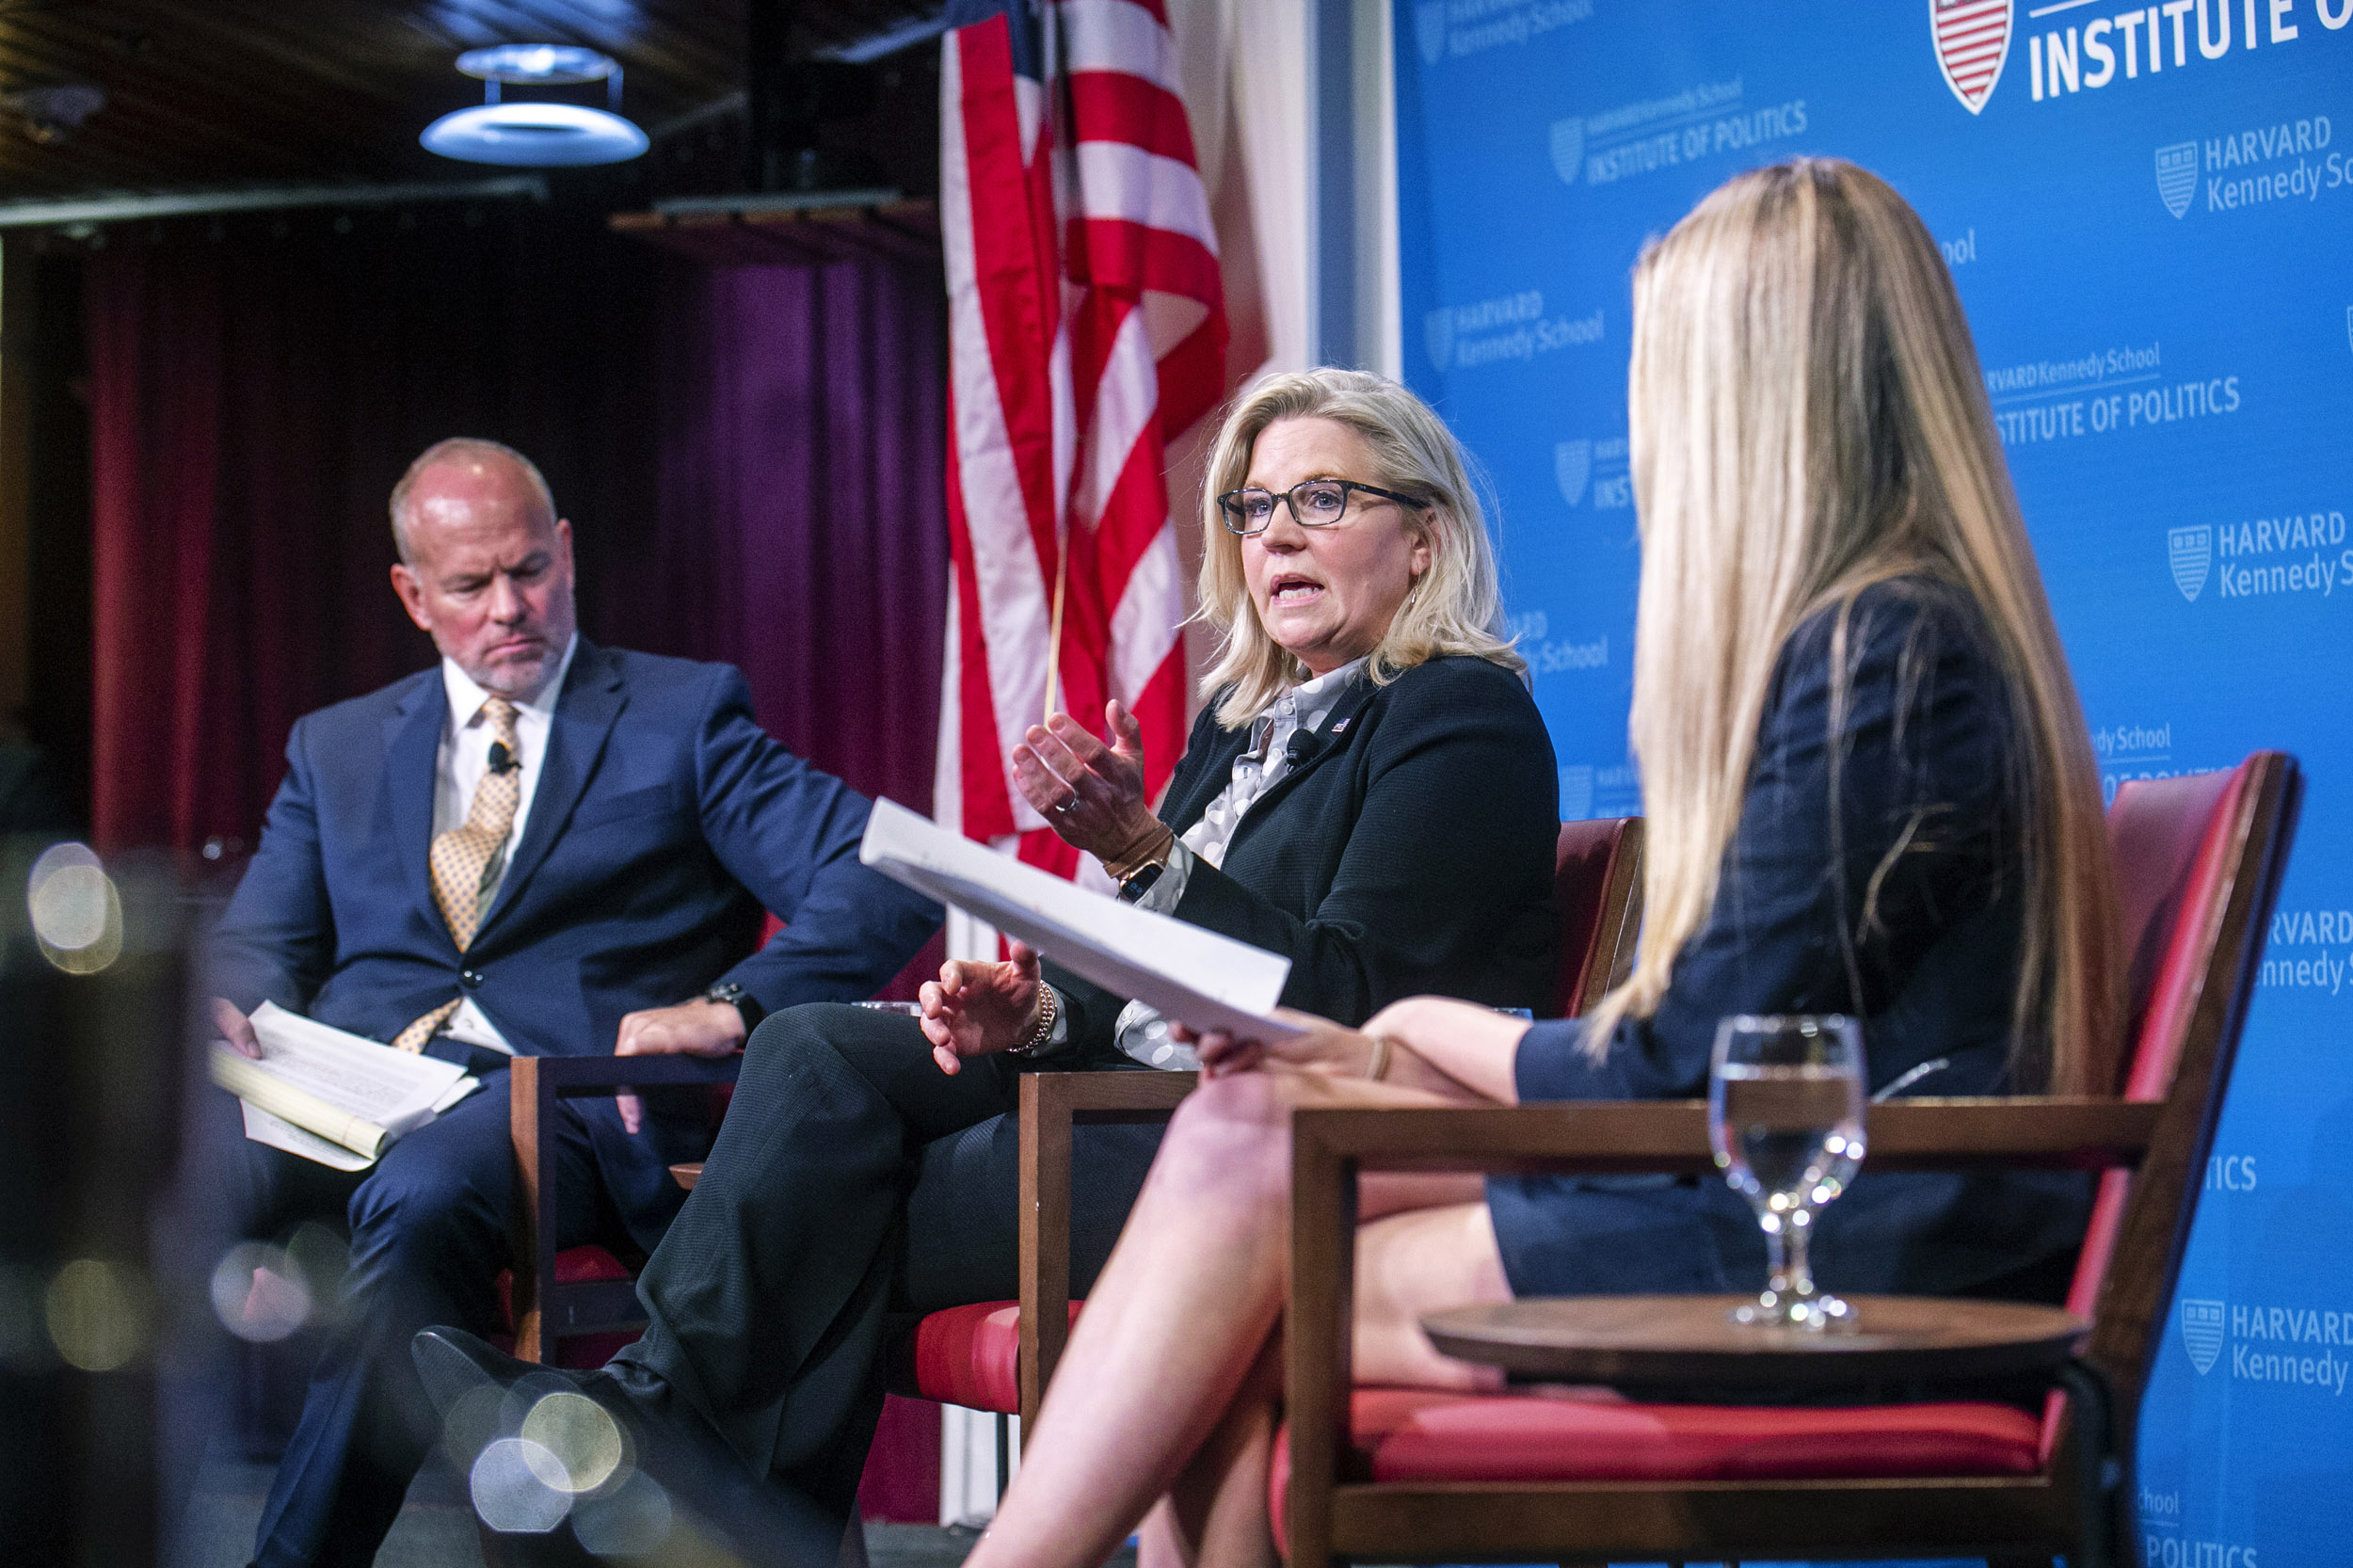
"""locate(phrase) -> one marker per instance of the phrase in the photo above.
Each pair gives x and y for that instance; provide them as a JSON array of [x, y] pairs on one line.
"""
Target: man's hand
[[980, 1009], [691, 1029], [237, 1028]]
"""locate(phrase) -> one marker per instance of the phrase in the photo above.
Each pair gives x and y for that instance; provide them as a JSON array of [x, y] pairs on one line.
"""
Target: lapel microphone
[[1301, 747], [502, 760]]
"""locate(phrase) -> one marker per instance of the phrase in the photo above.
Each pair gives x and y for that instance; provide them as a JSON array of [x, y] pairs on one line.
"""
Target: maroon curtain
[[801, 508], [751, 461]]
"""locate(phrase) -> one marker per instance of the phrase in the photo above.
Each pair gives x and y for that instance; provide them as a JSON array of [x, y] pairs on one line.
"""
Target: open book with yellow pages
[[330, 1095]]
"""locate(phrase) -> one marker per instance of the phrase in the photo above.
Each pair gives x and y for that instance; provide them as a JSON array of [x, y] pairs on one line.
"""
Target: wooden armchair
[[582, 1292], [1418, 1476], [1597, 884]]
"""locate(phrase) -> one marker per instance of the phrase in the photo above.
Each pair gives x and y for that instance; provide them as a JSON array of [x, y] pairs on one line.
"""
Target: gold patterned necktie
[[464, 857]]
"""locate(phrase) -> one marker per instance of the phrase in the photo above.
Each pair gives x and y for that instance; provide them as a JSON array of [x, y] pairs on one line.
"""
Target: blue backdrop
[[2149, 216]]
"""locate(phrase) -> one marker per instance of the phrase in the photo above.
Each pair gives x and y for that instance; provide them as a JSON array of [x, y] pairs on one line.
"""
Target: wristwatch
[[1139, 882], [742, 1000]]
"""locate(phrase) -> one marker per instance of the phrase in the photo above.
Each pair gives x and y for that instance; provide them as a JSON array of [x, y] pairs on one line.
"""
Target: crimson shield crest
[[1972, 42]]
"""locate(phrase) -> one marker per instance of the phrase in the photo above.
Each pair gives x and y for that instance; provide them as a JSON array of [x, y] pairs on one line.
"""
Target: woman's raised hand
[[980, 1009], [1090, 793]]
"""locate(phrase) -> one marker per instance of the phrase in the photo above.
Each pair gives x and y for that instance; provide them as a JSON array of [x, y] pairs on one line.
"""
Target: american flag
[[1086, 327]]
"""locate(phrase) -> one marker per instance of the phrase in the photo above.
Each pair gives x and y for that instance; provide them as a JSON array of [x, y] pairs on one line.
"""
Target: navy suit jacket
[[665, 819], [1876, 871]]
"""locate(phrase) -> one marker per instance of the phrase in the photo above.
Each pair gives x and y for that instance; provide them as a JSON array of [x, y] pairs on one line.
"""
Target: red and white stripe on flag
[[1086, 326]]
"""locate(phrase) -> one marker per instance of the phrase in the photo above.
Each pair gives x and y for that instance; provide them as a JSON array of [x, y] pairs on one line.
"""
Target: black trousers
[[853, 1183]]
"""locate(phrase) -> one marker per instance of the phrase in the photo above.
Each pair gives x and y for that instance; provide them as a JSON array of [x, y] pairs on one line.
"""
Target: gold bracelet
[[1378, 1067], [1042, 1030]]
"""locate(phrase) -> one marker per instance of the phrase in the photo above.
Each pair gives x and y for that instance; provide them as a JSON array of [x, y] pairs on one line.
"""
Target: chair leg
[[2104, 1526], [1005, 1455]]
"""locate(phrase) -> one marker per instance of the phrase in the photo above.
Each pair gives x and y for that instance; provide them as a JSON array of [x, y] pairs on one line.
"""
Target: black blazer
[[1410, 854], [1903, 911]]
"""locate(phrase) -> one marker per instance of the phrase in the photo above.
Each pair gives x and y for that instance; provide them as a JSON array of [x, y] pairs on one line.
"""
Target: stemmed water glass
[[1784, 1116]]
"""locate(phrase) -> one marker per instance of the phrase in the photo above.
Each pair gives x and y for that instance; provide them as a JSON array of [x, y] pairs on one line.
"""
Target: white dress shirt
[[457, 770]]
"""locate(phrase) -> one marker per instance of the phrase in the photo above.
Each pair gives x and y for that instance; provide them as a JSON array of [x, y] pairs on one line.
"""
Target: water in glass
[[1785, 1118]]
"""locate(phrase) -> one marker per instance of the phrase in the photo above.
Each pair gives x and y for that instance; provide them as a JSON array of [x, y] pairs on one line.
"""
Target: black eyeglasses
[[1314, 503]]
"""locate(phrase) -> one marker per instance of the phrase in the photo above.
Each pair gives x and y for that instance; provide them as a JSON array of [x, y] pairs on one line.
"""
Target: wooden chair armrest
[[1330, 1148], [1051, 1104], [534, 1083], [1609, 1137], [566, 1077]]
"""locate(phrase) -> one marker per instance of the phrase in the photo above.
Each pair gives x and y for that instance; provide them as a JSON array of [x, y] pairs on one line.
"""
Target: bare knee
[[1232, 1130], [1256, 1102], [1248, 1110]]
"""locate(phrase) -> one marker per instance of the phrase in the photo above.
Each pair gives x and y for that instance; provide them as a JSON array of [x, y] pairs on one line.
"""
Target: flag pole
[[1053, 636]]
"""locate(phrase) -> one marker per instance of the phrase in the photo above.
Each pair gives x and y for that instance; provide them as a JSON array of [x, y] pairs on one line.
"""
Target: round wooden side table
[[1665, 1343]]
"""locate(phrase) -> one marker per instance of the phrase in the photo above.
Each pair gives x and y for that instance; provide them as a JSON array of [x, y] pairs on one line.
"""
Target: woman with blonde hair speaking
[[1869, 791], [1368, 792]]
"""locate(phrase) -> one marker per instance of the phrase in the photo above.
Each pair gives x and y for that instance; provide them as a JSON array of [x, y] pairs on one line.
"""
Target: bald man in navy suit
[[540, 847]]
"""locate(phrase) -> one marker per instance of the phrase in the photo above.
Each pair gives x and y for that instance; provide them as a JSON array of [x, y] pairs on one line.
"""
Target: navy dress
[[1927, 960]]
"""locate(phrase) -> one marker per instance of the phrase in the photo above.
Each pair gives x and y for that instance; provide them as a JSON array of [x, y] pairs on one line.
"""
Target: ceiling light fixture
[[545, 64], [537, 134]]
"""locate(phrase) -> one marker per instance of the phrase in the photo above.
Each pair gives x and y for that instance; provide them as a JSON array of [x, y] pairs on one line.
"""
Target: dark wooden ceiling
[[209, 94]]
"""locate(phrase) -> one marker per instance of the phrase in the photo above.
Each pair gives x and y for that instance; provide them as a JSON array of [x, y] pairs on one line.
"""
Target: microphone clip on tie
[[502, 760]]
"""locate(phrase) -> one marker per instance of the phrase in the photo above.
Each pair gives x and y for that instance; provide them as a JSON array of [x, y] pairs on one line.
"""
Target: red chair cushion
[[971, 1356], [573, 1266], [1413, 1435]]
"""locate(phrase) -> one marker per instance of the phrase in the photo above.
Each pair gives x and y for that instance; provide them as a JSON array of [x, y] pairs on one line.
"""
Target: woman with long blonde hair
[[1869, 790]]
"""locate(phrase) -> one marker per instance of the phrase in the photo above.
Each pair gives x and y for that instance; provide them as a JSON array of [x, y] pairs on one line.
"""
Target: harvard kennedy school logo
[[2191, 552], [2201, 1332], [1972, 44], [1568, 148], [1571, 465], [2177, 175]]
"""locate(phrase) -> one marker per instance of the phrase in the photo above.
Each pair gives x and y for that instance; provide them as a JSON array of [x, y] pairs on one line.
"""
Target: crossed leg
[[1171, 1382]]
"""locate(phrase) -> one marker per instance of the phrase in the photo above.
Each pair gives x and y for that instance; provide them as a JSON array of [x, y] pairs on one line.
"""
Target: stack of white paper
[[1191, 975]]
